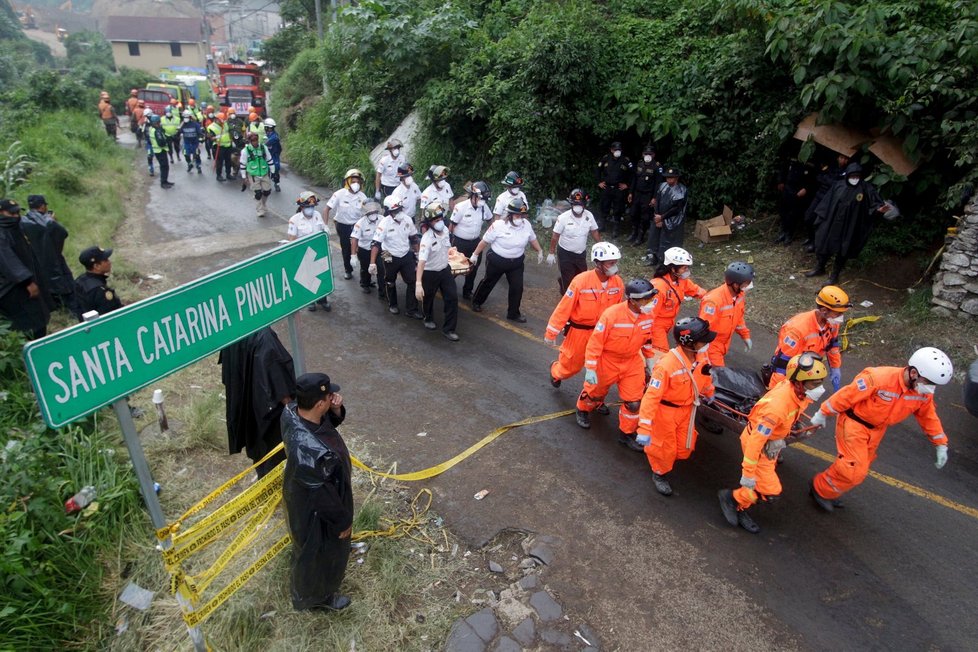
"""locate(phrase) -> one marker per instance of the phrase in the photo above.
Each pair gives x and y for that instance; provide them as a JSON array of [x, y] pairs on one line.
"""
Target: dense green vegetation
[[719, 86], [52, 563]]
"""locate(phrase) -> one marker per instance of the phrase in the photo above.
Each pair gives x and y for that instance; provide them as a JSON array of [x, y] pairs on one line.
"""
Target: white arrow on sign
[[309, 270]]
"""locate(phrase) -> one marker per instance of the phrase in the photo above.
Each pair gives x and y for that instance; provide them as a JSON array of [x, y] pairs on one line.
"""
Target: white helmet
[[187, 113], [604, 251], [270, 123], [148, 112], [677, 256], [933, 364]]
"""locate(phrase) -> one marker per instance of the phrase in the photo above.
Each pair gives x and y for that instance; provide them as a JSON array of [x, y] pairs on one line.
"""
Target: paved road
[[893, 570]]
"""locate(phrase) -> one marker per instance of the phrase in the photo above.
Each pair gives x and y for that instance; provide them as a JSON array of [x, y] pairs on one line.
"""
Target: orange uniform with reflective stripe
[[667, 304], [876, 398], [666, 412], [771, 419], [724, 311], [580, 307], [616, 351], [802, 333]]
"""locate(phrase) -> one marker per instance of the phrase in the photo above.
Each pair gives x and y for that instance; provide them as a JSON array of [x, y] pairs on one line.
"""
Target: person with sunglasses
[[879, 397], [763, 438]]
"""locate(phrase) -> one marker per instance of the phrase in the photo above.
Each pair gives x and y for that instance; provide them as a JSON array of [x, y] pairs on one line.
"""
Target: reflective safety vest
[[220, 133], [157, 140], [171, 124], [257, 165], [258, 128]]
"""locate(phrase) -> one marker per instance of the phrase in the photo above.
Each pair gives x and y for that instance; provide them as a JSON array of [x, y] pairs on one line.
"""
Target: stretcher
[[737, 391]]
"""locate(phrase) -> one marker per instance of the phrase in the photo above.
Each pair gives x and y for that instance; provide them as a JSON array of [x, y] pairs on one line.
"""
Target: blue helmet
[[154, 118]]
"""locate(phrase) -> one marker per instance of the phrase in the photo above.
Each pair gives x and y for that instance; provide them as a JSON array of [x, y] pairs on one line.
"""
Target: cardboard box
[[715, 229]]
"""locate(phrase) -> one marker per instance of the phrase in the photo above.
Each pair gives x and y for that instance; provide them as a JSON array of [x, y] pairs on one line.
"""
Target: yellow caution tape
[[844, 335], [403, 527], [468, 452]]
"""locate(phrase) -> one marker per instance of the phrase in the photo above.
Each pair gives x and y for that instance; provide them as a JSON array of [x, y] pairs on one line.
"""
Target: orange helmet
[[210, 108], [191, 102], [173, 101], [252, 116], [221, 117], [134, 92], [834, 298]]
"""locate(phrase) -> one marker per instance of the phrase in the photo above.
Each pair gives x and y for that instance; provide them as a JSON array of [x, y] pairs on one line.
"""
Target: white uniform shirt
[[387, 166], [363, 231], [394, 237], [468, 220], [509, 241], [443, 194], [408, 196], [502, 201], [434, 250], [300, 225], [573, 230], [345, 206]]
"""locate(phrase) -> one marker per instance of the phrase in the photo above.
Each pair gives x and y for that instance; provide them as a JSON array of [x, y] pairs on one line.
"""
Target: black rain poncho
[[845, 217], [319, 503]]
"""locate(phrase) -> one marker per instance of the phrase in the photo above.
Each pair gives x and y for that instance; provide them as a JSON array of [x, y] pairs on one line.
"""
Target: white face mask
[[395, 152], [836, 320], [647, 158], [749, 286], [647, 308], [517, 222], [408, 180], [611, 270], [816, 393], [514, 190], [438, 226], [373, 216], [437, 184], [308, 212], [853, 181], [397, 217], [924, 388], [577, 210], [354, 187], [684, 275], [704, 348], [616, 153]]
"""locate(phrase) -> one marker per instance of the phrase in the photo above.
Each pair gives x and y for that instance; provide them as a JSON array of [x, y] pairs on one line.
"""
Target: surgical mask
[[373, 216], [836, 320], [438, 226], [354, 187], [616, 153], [749, 286], [517, 222], [186, 119], [853, 181], [684, 275], [514, 190], [437, 184], [408, 180], [611, 270], [397, 217], [704, 348], [647, 308], [308, 212], [647, 158], [924, 388], [578, 210], [395, 152], [815, 393]]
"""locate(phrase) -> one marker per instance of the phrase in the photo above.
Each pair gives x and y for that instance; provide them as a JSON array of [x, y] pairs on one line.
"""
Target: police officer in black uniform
[[795, 185], [648, 176], [91, 288], [614, 176], [828, 174]]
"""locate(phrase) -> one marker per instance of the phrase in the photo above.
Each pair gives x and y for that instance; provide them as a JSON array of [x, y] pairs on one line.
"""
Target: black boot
[[661, 484], [819, 267], [583, 419]]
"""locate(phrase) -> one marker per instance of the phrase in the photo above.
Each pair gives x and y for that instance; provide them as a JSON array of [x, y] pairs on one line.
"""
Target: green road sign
[[82, 368]]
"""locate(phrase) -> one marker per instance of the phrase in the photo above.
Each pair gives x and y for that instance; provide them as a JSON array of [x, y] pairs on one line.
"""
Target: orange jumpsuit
[[616, 351], [771, 419], [667, 412], [583, 302], [802, 333], [667, 303], [875, 399], [724, 311]]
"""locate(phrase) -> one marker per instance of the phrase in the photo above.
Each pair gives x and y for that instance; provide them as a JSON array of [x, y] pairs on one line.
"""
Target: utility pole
[[319, 19]]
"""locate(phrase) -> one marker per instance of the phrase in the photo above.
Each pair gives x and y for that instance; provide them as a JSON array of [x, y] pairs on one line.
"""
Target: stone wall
[[956, 284]]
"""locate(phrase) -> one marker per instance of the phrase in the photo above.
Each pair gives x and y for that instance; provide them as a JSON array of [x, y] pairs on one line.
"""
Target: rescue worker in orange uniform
[[679, 382], [587, 296], [617, 353], [672, 281], [762, 440], [723, 308], [815, 330], [876, 398]]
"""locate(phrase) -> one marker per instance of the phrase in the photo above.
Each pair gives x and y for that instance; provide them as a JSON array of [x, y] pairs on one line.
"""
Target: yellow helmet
[[834, 298], [806, 366]]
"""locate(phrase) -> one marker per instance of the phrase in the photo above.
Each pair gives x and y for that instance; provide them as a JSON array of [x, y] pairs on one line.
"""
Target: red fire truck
[[241, 87]]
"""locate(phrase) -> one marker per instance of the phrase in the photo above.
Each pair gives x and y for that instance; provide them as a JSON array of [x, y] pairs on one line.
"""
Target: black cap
[[314, 386], [93, 255], [671, 172], [9, 206], [36, 201], [615, 145]]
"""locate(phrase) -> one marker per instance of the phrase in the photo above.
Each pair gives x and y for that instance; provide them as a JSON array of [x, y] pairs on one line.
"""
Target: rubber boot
[[823, 503], [819, 267], [661, 484], [728, 506], [583, 419]]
